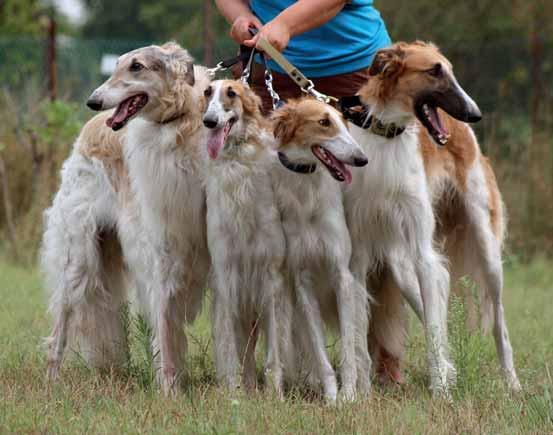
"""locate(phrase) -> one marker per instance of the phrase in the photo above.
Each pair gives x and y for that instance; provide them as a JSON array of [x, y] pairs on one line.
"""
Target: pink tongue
[[347, 175], [345, 171], [215, 142], [121, 113]]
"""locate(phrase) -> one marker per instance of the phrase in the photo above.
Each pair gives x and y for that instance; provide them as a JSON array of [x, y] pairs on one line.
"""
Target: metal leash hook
[[277, 102], [212, 72], [310, 90], [245, 78]]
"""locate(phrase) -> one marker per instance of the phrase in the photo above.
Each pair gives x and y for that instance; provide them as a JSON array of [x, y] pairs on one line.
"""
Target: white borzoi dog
[[132, 202], [466, 200], [314, 140], [245, 235], [388, 204]]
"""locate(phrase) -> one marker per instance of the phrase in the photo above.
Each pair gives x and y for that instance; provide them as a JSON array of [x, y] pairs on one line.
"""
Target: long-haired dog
[[389, 204], [314, 141], [245, 235], [467, 202], [132, 202]]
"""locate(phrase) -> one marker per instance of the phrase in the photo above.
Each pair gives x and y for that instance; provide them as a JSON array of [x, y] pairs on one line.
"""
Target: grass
[[87, 401]]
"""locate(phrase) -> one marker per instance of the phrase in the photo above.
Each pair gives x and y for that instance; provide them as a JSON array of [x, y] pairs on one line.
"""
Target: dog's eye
[[231, 93], [208, 92], [325, 122], [435, 71], [136, 66]]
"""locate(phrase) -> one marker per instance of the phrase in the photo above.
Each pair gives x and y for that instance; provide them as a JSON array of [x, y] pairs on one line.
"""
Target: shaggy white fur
[[157, 221], [391, 221], [245, 237], [318, 250]]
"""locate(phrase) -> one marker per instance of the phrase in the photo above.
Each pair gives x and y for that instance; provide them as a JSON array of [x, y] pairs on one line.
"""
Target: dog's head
[[153, 82], [309, 130], [232, 114], [415, 80]]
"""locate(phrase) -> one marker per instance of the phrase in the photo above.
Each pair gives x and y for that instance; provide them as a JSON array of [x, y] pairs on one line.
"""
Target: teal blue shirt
[[345, 44]]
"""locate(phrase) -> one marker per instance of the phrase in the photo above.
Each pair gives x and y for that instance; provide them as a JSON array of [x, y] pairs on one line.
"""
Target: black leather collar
[[361, 117], [300, 168]]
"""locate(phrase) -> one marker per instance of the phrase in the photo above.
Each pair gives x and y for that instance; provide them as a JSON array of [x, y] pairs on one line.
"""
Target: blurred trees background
[[502, 52]]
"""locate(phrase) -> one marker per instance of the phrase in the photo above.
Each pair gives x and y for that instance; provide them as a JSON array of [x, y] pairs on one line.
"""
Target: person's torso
[[346, 43]]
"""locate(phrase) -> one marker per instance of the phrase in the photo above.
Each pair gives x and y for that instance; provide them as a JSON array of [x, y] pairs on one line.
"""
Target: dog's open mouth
[[217, 137], [429, 117], [126, 110], [336, 168]]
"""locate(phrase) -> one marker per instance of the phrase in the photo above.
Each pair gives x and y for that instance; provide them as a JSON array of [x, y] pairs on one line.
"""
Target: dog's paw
[[513, 382], [347, 395], [53, 371]]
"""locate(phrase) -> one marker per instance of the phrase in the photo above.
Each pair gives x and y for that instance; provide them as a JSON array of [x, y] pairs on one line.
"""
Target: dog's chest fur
[[388, 205], [244, 229], [167, 180], [313, 218]]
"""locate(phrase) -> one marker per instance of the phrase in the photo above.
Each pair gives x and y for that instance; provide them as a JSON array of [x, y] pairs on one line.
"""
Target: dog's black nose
[[210, 123], [94, 104], [360, 161]]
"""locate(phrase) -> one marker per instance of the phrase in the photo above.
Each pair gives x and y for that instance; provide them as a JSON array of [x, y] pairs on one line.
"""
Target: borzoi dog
[[313, 139], [389, 204], [467, 202], [245, 235], [138, 198]]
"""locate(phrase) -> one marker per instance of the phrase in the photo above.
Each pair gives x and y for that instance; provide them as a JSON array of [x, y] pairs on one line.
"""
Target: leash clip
[[212, 72], [310, 89]]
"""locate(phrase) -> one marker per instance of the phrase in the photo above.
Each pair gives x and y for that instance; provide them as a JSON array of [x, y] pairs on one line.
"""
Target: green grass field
[[129, 402]]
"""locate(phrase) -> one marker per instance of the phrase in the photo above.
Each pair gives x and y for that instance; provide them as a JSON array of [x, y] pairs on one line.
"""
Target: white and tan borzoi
[[245, 235], [131, 204], [318, 247], [417, 79]]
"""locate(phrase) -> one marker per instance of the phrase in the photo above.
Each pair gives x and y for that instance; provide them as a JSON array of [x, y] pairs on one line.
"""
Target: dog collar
[[361, 117], [300, 168]]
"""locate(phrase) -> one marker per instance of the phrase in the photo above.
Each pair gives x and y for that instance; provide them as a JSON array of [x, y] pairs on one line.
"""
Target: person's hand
[[239, 30], [276, 32]]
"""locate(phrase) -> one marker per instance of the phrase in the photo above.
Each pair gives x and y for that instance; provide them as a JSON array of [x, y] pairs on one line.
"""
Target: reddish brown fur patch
[[97, 141], [453, 160], [495, 202], [251, 103], [398, 73], [298, 122]]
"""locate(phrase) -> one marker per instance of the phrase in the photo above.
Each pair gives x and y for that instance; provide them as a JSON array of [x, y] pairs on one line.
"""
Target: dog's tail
[[388, 325]]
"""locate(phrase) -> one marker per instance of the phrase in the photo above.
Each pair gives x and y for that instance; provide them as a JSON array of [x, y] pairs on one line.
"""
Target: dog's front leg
[[227, 360], [347, 320], [434, 284], [273, 365], [359, 269], [315, 329], [168, 364]]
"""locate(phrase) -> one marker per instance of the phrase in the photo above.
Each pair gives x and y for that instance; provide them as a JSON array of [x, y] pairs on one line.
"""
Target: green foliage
[[21, 17], [58, 122]]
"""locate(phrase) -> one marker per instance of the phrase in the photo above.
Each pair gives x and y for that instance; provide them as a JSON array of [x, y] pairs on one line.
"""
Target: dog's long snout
[[474, 114], [210, 122], [94, 104], [360, 161]]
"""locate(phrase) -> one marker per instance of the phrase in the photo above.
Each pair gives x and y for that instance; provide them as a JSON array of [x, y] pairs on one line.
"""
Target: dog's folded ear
[[284, 124], [181, 56], [387, 63], [189, 76]]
